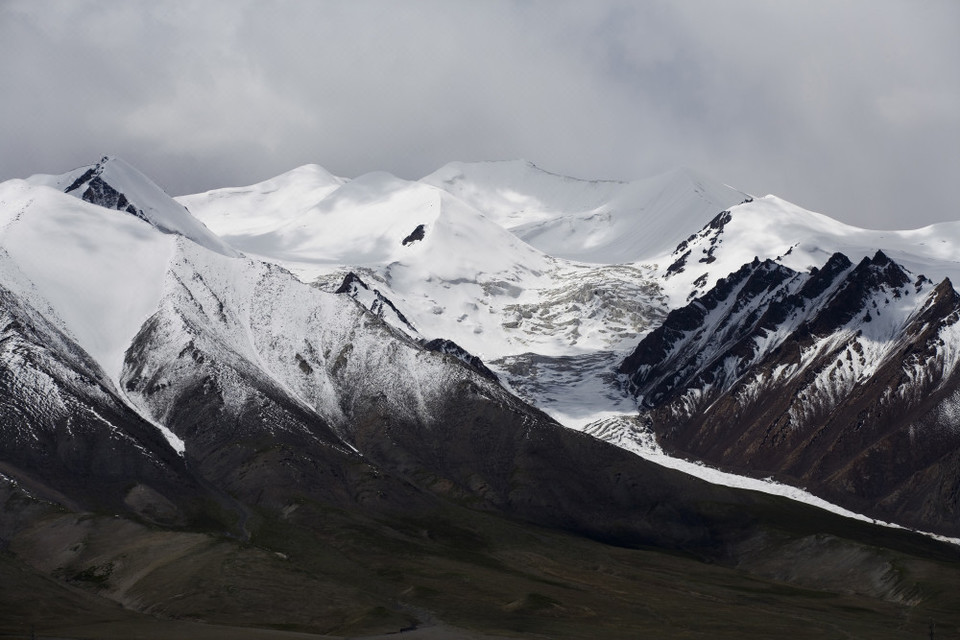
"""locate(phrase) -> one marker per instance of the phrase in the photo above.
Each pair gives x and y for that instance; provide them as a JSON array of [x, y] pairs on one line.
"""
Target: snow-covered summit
[[114, 184], [261, 207], [374, 219], [596, 221]]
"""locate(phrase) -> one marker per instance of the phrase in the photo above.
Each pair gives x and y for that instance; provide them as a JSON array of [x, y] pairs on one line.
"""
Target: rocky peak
[[870, 277]]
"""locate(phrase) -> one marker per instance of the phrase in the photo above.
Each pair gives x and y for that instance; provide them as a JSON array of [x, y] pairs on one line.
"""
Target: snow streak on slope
[[100, 272], [588, 221], [626, 432]]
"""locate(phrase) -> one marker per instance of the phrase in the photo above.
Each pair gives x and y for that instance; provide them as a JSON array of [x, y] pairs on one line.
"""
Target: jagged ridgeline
[[842, 379]]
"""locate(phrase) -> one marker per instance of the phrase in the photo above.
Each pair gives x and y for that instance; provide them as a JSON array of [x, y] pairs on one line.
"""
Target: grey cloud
[[846, 108]]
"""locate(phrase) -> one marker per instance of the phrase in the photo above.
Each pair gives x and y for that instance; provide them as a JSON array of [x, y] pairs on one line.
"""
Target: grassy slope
[[326, 571]]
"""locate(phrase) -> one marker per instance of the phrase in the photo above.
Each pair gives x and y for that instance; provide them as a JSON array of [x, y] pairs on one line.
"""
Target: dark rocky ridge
[[352, 283], [710, 235], [759, 376], [451, 348]]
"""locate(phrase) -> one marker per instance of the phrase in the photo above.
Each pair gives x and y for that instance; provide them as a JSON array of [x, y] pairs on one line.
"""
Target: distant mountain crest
[[594, 221]]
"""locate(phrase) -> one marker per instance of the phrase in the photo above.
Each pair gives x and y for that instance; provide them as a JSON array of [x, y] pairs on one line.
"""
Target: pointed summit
[[114, 184]]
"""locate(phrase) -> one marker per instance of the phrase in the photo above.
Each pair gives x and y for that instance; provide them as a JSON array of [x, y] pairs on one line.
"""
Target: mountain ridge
[[555, 339], [201, 435], [811, 377]]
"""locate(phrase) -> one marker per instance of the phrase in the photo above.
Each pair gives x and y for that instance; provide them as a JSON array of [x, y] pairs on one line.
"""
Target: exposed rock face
[[416, 235], [843, 380], [97, 191], [707, 239]]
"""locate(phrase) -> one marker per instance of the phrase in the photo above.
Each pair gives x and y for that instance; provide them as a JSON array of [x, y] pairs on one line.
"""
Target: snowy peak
[[374, 220], [306, 223], [114, 184], [260, 208], [92, 188], [98, 273], [771, 228]]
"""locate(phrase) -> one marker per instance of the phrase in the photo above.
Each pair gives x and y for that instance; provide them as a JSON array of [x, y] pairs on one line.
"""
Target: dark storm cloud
[[849, 108]]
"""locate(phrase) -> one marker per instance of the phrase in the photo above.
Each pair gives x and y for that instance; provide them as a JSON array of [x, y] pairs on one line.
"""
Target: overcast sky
[[850, 108]]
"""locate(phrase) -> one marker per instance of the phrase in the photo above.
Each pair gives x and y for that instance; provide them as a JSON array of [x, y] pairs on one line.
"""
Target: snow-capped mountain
[[182, 421], [596, 221], [96, 273], [140, 350], [555, 329], [771, 228], [482, 254]]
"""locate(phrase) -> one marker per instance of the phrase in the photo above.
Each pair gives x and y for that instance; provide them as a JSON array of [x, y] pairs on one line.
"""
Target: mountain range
[[349, 406]]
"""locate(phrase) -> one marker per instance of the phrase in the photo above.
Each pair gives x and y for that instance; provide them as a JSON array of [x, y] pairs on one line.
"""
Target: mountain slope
[[95, 273], [842, 380]]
